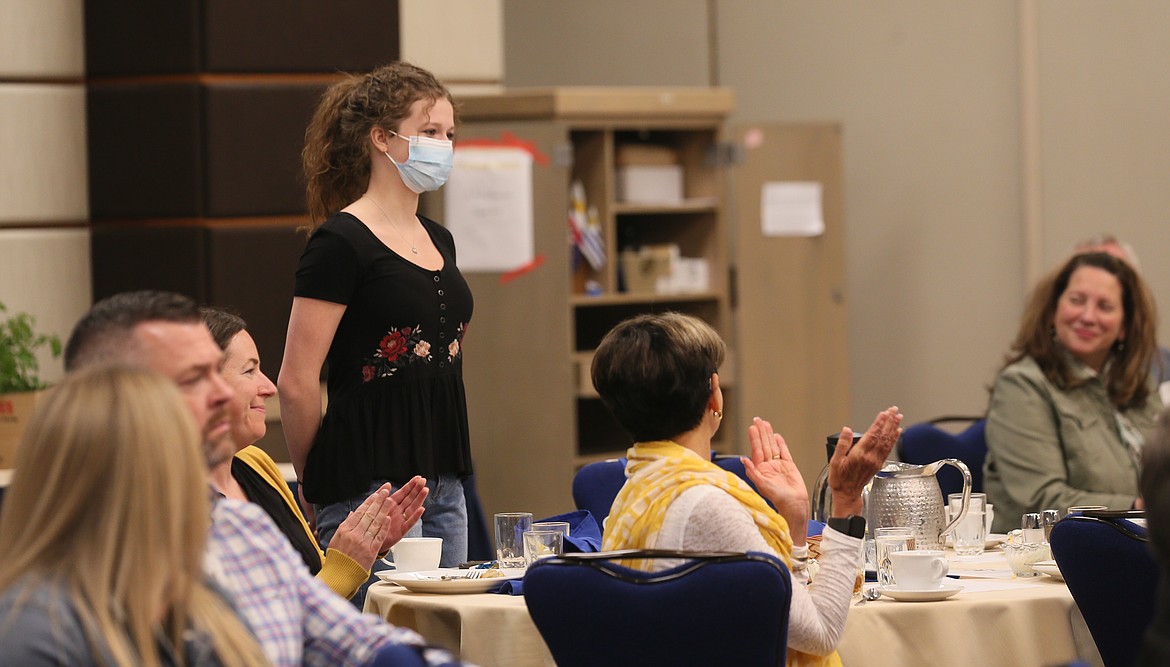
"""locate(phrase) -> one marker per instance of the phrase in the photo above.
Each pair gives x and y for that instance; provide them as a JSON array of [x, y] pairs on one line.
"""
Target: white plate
[[992, 540], [1048, 567], [944, 591], [431, 581]]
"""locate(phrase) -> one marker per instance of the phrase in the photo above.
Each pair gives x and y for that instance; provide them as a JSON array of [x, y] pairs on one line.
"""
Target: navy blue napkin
[[584, 533], [511, 587]]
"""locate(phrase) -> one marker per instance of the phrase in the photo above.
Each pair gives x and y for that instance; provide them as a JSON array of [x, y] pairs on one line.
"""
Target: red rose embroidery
[[367, 373], [392, 346]]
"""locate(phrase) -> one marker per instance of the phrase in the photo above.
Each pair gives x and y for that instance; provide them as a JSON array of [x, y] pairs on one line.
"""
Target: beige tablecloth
[[1026, 624]]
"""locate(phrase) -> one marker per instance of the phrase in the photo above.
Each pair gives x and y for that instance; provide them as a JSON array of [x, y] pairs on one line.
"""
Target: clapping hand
[[853, 466], [405, 509], [775, 474]]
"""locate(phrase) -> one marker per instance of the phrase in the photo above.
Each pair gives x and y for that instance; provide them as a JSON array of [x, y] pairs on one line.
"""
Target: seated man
[[296, 619]]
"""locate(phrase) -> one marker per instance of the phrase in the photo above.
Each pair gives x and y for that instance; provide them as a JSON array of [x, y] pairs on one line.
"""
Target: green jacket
[[1053, 449]]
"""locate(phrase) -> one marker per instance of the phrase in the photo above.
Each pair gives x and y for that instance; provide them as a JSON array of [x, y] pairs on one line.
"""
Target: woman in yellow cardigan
[[252, 475]]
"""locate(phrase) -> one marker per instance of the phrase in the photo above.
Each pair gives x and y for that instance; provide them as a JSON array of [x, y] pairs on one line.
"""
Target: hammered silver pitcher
[[906, 495]]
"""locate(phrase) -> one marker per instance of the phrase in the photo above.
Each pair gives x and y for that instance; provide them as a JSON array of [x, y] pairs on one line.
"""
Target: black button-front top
[[397, 407]]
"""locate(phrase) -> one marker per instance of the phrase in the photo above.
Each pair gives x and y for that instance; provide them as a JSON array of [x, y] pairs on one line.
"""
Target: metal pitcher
[[902, 494]]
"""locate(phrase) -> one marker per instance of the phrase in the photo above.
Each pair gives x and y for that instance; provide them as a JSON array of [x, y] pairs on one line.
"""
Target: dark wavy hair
[[1127, 378], [653, 372], [223, 324], [336, 156]]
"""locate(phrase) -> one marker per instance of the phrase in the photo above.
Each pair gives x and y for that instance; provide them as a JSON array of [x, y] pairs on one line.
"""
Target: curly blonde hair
[[336, 157]]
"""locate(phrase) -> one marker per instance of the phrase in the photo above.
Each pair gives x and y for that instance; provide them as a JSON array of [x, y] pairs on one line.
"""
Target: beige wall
[[44, 247], [930, 95]]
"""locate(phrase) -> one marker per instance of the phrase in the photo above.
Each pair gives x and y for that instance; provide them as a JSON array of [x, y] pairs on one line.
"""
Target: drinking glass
[[562, 526], [888, 541], [1032, 526], [970, 533], [542, 544], [510, 527], [1049, 518]]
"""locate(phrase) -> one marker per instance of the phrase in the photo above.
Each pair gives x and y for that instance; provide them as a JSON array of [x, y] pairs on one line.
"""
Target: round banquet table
[[996, 620]]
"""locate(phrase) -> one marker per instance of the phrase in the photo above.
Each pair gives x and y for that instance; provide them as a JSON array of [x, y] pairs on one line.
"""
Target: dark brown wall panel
[[299, 36], [135, 37], [145, 155], [129, 37], [133, 257], [192, 150], [254, 134], [251, 271]]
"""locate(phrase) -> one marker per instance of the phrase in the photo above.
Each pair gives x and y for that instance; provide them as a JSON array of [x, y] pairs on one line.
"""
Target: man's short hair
[[1099, 243], [105, 333]]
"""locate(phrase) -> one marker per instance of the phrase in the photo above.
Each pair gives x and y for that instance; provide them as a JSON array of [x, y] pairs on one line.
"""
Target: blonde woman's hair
[[109, 504], [336, 157]]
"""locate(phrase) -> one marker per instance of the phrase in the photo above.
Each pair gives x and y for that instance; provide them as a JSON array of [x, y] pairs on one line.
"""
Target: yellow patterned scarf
[[657, 473]]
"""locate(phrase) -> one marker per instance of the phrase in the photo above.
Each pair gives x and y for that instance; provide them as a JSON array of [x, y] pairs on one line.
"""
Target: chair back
[[715, 609], [1113, 577], [596, 485], [401, 655], [926, 443]]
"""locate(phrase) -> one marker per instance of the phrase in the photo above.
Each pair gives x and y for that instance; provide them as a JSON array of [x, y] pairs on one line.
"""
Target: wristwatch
[[852, 525]]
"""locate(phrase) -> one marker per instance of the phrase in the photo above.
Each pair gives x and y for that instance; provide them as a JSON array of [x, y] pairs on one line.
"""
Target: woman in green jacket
[[1071, 406]]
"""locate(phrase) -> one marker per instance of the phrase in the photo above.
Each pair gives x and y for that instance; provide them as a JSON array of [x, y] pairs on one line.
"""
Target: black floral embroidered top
[[397, 407]]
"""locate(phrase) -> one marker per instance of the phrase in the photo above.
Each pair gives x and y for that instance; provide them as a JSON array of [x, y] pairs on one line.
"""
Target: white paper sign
[[791, 209], [488, 208]]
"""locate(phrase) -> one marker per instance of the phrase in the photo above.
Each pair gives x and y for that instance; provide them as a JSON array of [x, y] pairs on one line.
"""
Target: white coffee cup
[[919, 570], [412, 554], [989, 516]]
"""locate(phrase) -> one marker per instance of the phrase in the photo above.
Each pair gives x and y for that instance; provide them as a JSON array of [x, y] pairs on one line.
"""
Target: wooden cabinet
[[533, 413]]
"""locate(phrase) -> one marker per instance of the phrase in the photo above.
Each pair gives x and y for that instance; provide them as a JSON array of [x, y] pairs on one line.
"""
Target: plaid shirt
[[296, 618]]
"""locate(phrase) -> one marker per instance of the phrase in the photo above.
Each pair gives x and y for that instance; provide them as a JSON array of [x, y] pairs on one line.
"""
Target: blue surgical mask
[[428, 162]]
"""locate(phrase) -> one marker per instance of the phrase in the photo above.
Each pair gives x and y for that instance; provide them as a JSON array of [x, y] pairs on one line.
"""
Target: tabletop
[[996, 619]]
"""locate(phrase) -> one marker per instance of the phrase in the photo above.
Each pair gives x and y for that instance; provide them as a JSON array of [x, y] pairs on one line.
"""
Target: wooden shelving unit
[[534, 415]]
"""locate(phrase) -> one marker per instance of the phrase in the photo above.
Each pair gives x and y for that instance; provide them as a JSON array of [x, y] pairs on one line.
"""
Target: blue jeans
[[445, 516]]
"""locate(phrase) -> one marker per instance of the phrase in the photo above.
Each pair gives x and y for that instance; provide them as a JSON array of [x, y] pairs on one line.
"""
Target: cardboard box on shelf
[[15, 411], [643, 268], [649, 184]]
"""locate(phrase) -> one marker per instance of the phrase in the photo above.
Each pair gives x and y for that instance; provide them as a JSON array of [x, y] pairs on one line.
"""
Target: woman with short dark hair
[[659, 375]]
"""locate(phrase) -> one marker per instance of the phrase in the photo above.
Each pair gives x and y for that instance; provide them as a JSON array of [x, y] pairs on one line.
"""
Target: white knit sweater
[[705, 518]]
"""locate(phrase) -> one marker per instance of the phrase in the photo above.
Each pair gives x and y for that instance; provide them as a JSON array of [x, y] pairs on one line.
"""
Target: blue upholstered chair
[[596, 484], [717, 609], [1113, 577], [926, 443]]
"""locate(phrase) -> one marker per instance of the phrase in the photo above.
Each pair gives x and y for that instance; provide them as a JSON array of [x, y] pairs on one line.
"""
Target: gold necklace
[[413, 247]]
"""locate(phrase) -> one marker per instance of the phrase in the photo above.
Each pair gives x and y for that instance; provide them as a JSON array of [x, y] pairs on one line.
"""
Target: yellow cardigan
[[338, 571]]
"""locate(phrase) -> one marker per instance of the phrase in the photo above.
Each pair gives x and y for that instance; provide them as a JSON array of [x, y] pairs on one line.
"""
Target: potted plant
[[20, 382]]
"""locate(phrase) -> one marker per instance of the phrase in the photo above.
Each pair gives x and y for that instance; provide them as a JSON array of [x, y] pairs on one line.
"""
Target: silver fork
[[471, 574]]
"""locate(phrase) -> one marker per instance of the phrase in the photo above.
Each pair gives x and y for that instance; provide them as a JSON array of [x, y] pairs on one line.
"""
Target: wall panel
[[41, 39], [45, 272], [42, 154]]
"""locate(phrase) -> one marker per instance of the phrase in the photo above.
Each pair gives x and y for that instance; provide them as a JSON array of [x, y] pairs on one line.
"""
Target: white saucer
[[1048, 567], [944, 591], [447, 580]]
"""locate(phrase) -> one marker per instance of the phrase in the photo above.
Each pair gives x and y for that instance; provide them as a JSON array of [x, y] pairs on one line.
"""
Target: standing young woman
[[103, 531], [378, 297]]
